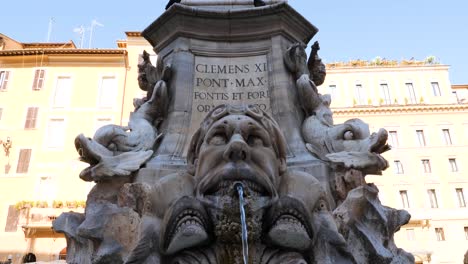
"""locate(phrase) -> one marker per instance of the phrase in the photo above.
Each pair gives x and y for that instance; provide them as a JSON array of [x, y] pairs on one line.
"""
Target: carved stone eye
[[254, 141], [218, 139], [321, 206], [348, 135]]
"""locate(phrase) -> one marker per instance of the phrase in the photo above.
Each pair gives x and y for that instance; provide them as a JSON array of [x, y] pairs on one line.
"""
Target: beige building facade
[[427, 121], [51, 92]]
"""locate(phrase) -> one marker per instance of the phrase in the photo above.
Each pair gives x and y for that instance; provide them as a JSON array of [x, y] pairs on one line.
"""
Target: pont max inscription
[[241, 80]]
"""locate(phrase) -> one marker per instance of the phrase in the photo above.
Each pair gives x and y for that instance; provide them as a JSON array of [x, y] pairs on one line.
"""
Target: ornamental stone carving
[[233, 155]]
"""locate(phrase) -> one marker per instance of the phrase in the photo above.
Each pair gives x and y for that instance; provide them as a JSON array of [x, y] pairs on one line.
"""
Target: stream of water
[[245, 245]]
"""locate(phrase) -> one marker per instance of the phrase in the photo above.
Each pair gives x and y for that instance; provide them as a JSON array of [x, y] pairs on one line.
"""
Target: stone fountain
[[233, 156]]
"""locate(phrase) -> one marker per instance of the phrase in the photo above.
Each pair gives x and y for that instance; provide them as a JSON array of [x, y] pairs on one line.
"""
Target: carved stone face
[[236, 148]]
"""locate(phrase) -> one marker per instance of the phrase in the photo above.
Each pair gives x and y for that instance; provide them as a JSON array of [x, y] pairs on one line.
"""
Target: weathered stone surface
[[79, 249], [114, 228], [251, 168], [369, 227]]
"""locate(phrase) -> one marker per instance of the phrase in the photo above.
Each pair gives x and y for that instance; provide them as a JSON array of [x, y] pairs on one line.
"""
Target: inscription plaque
[[221, 80]]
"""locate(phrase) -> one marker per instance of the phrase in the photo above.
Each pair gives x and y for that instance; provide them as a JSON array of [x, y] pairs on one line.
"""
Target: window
[[421, 138], [38, 82], [107, 92], [426, 164], [453, 165], [398, 167], [404, 199], [62, 92], [4, 75], [332, 91], [460, 197], [411, 93], [466, 232], [23, 161], [433, 198], [386, 93], [440, 234], [55, 133], [447, 138], [410, 234], [46, 188], [436, 88], [360, 94], [393, 138], [31, 117]]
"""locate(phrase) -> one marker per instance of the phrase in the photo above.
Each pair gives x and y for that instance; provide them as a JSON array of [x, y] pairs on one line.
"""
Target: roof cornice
[[400, 109], [459, 86], [62, 51], [396, 68], [133, 33]]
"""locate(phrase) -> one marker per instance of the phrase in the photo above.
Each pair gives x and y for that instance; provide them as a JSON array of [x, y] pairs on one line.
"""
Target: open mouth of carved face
[[290, 224], [229, 188], [185, 218], [187, 225], [291, 217], [378, 142], [223, 180], [86, 155]]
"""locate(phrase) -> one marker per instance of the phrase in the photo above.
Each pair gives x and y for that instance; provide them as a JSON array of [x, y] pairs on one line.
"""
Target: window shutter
[[12, 219], [4, 75], [5, 81], [36, 77], [23, 161], [41, 79], [31, 117], [27, 124]]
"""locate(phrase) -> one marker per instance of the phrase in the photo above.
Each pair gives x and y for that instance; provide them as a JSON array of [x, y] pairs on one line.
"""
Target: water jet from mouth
[[245, 247]]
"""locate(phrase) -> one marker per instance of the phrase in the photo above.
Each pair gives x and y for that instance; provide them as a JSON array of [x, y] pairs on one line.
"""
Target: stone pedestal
[[231, 56]]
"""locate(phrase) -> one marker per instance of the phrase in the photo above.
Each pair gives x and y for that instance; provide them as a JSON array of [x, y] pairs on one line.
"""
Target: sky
[[358, 29]]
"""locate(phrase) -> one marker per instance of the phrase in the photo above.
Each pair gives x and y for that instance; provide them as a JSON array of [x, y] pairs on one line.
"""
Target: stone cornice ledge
[[61, 51], [228, 25], [401, 109]]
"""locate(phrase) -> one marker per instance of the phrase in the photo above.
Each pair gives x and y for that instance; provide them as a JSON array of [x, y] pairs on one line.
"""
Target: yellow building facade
[[427, 121], [51, 92]]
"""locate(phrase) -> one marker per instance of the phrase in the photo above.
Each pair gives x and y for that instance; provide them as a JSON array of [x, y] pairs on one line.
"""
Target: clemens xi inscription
[[229, 81]]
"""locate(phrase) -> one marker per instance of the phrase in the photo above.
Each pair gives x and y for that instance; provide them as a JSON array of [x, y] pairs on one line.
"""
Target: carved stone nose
[[236, 149]]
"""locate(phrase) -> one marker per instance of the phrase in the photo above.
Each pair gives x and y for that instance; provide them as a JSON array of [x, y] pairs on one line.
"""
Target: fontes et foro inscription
[[218, 81]]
